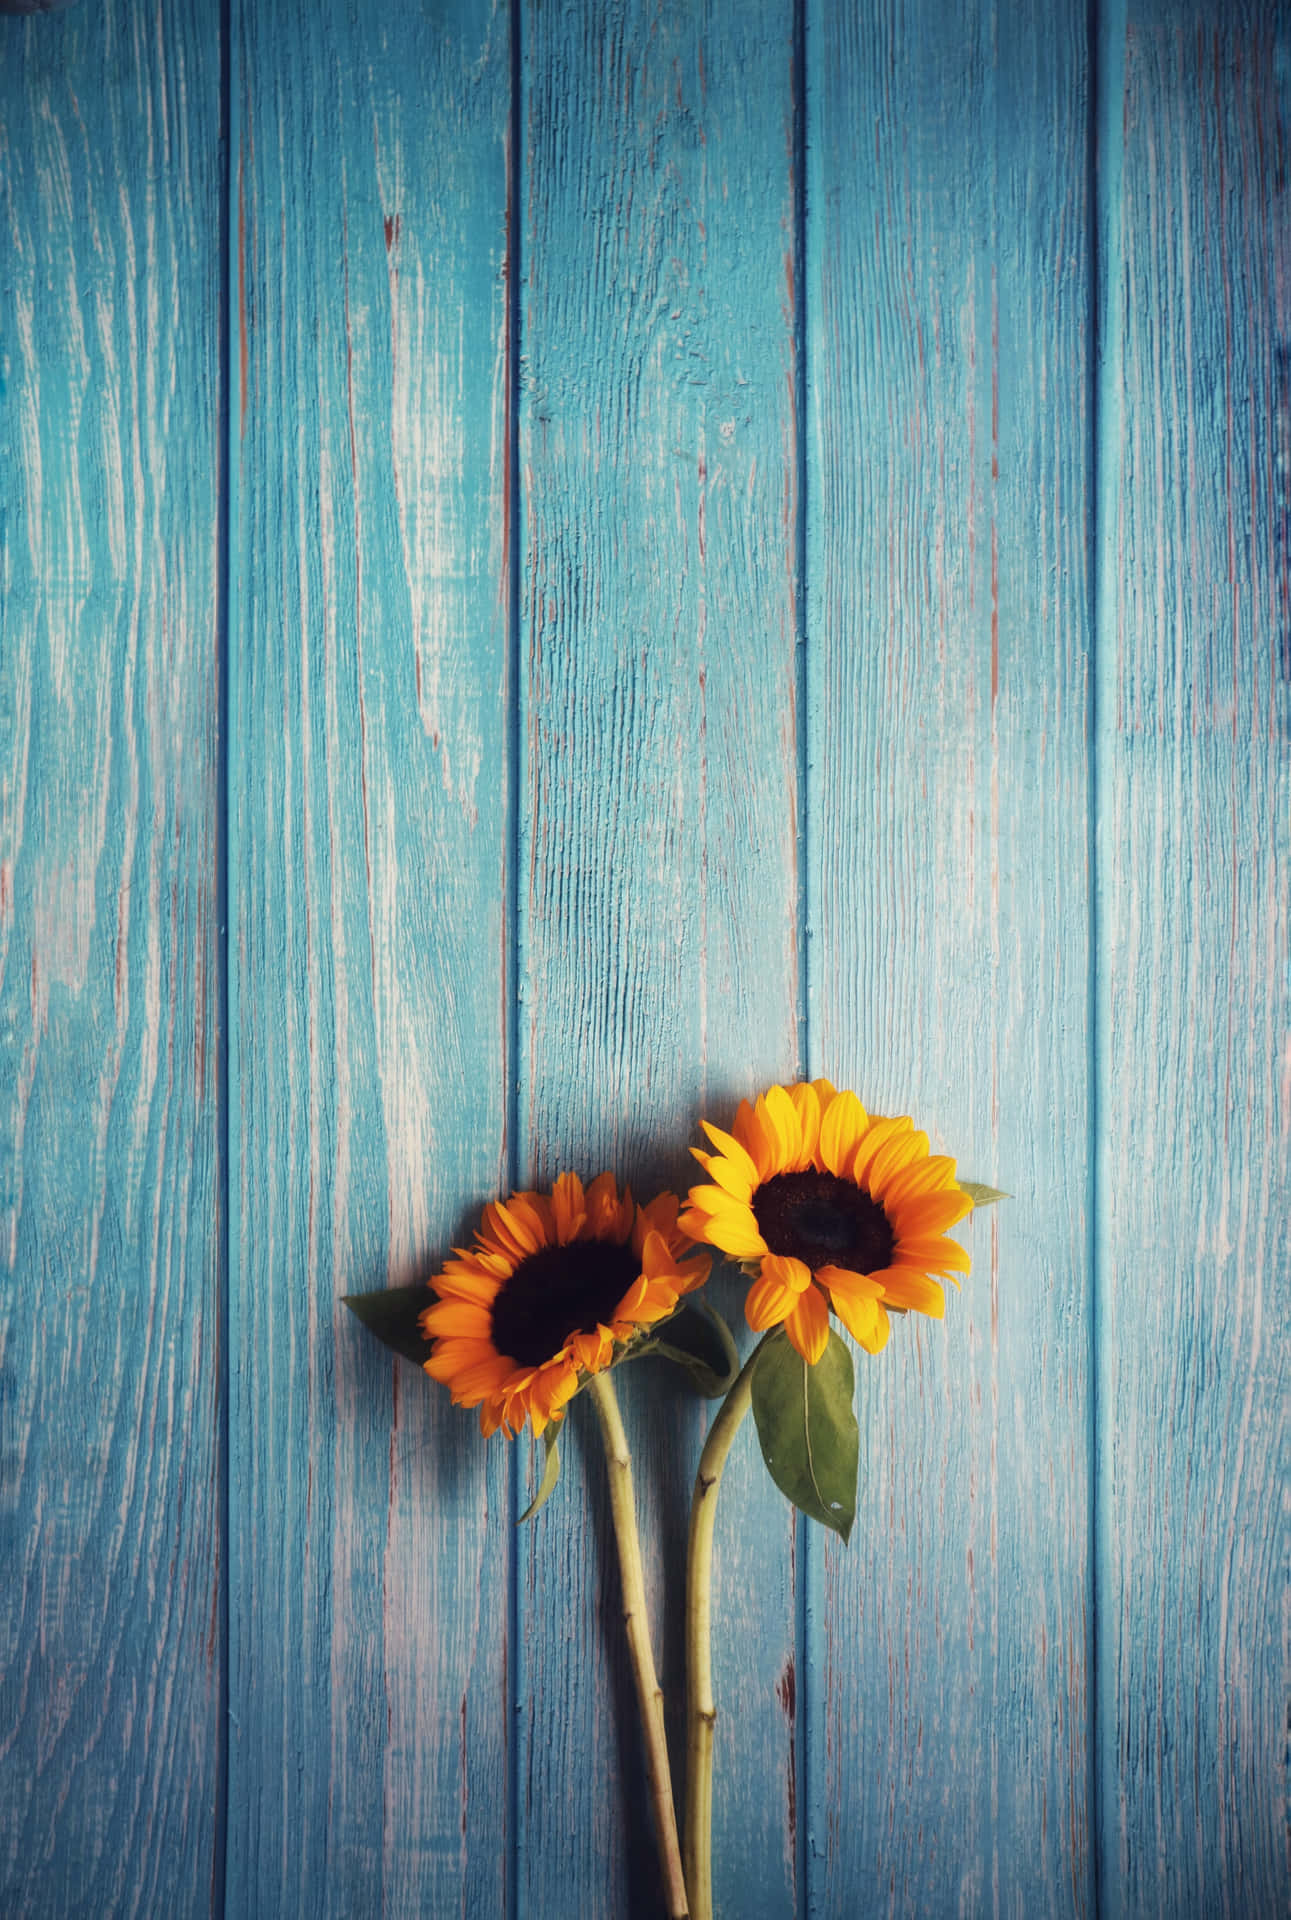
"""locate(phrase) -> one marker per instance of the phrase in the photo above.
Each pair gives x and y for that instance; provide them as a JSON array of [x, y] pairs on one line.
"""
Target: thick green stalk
[[649, 1692], [701, 1709]]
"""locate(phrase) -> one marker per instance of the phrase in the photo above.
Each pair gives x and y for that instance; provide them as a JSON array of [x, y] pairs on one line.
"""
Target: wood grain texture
[[1194, 652], [110, 964], [369, 794], [948, 963], [658, 881]]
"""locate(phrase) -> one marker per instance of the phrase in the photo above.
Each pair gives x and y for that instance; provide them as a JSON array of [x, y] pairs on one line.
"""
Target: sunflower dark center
[[823, 1221], [558, 1291]]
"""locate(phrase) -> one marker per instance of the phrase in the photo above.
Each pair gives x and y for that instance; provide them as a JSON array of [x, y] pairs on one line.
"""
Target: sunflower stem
[[649, 1692], [701, 1709]]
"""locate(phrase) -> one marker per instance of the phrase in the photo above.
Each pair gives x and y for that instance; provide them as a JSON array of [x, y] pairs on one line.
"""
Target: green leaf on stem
[[981, 1196], [698, 1339], [550, 1475], [807, 1429], [394, 1315]]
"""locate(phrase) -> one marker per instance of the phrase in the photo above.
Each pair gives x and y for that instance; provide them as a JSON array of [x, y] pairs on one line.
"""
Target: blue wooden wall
[[560, 564]]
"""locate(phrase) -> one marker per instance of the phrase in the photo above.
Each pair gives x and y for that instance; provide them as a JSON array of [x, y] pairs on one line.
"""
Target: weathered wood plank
[[368, 785], [1194, 653], [110, 964], [947, 834], [658, 887]]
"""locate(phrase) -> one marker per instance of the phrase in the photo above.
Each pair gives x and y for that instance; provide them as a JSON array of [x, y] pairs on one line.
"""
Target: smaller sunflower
[[554, 1288], [833, 1208]]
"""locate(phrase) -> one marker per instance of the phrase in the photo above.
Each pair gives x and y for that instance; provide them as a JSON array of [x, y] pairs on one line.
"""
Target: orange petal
[[767, 1303], [465, 1317], [841, 1125], [785, 1271], [808, 1325], [460, 1282], [568, 1209]]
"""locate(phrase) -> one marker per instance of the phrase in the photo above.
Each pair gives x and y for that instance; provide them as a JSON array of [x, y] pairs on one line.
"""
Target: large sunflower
[[834, 1209], [555, 1285]]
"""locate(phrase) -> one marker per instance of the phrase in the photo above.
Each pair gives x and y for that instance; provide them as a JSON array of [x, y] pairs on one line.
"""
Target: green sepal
[[981, 1196], [394, 1315], [700, 1348], [550, 1475], [807, 1429]]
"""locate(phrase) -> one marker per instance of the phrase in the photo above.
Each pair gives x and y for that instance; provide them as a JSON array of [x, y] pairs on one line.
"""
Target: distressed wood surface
[[1194, 659], [607, 737], [658, 887], [111, 1470], [369, 1551], [949, 903]]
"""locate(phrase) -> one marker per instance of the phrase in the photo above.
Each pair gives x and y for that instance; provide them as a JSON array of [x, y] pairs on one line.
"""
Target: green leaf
[[394, 1316], [550, 1475], [807, 1429], [981, 1196], [699, 1340]]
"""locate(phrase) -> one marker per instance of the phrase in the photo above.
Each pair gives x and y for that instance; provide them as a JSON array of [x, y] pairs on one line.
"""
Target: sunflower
[[833, 1208], [554, 1288]]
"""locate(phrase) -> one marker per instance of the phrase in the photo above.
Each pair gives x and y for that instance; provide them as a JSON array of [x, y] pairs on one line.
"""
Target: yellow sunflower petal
[[767, 1303], [726, 1174], [875, 1137], [934, 1256], [841, 1125], [930, 1213], [844, 1284], [718, 1204], [902, 1151], [784, 1118], [785, 1271], [906, 1287], [730, 1234], [808, 1325], [859, 1313], [758, 1139], [878, 1339], [825, 1091], [933, 1175], [781, 1145], [730, 1149], [806, 1103]]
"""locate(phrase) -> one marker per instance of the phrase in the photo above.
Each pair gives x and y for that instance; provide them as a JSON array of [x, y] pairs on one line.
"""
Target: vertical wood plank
[[947, 828], [110, 963], [368, 783], [658, 888], [1194, 661]]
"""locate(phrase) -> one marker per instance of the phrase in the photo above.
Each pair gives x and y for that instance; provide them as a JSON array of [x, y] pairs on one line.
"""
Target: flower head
[[554, 1288], [832, 1208]]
